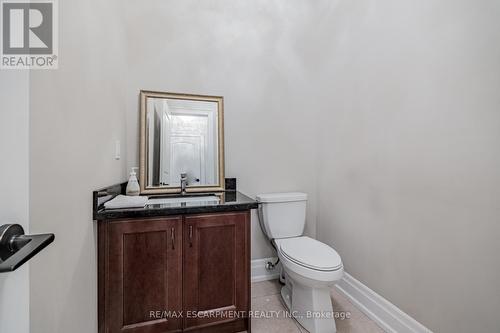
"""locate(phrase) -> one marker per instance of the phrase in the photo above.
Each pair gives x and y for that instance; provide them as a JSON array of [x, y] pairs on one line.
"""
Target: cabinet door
[[216, 271], [143, 274]]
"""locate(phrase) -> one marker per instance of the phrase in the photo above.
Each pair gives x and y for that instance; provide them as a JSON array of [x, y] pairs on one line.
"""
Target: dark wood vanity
[[180, 262], [172, 268]]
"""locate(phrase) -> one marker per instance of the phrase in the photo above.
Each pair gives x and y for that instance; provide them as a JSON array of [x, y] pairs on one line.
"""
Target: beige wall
[[256, 54], [14, 192], [77, 113], [409, 180], [385, 111]]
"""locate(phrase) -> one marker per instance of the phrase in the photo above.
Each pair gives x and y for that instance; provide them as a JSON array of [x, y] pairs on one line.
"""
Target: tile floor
[[266, 297]]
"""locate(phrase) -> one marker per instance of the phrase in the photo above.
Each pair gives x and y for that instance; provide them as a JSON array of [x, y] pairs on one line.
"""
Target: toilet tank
[[282, 215]]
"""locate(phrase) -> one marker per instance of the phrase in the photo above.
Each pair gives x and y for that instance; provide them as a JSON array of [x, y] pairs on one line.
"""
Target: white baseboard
[[389, 317], [380, 310], [259, 271]]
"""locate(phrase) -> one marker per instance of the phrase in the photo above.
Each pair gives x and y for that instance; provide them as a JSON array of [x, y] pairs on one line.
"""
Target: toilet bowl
[[310, 268]]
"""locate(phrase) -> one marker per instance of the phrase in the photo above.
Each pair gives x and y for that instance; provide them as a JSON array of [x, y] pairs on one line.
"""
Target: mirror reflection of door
[[182, 137], [186, 141]]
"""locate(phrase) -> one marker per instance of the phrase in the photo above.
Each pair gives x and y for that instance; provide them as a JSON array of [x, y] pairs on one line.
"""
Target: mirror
[[181, 134]]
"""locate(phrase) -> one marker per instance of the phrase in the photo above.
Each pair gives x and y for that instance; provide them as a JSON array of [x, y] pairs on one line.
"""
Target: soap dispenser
[[133, 184]]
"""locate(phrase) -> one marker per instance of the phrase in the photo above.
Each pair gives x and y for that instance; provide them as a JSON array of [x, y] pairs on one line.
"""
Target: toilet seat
[[310, 253]]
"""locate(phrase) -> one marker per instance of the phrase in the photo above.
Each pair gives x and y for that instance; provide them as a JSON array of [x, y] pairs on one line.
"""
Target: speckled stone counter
[[228, 201]]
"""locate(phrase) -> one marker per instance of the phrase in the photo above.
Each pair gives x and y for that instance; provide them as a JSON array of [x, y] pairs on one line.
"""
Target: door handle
[[16, 248], [190, 236], [172, 237]]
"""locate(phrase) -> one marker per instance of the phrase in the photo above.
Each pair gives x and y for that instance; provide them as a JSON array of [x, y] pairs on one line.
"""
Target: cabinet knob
[[190, 236]]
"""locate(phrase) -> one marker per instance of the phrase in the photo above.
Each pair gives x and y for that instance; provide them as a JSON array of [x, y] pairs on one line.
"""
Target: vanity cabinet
[[216, 271], [140, 270], [173, 274]]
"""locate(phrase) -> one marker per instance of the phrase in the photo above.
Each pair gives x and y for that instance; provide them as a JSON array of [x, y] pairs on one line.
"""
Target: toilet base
[[311, 307]]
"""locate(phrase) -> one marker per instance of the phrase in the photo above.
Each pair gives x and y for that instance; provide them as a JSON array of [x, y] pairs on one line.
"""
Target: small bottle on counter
[[133, 184]]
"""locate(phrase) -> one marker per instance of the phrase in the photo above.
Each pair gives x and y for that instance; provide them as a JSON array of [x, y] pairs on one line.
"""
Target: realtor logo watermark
[[29, 34]]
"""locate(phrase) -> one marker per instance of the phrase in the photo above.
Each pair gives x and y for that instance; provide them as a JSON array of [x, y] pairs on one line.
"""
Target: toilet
[[310, 268]]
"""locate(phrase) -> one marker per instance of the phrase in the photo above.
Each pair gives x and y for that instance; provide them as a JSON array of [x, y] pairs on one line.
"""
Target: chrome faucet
[[183, 183]]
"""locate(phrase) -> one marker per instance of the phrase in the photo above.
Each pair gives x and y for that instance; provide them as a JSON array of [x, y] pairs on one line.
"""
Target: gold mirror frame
[[144, 94]]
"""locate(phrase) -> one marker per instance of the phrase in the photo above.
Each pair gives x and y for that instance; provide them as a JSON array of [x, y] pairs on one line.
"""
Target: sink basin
[[175, 200]]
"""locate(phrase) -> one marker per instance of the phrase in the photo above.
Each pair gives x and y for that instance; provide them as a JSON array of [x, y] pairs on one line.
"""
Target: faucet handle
[[183, 175]]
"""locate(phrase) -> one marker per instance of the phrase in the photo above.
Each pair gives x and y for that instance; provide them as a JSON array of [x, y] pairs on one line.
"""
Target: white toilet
[[310, 267]]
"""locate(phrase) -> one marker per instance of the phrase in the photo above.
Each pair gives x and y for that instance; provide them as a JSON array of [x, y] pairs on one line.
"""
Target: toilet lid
[[310, 253]]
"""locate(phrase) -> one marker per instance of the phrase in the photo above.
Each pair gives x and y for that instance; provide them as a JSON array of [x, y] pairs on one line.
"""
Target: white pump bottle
[[133, 184]]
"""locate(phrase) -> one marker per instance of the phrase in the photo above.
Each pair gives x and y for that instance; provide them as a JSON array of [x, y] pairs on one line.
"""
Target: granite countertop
[[228, 201]]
